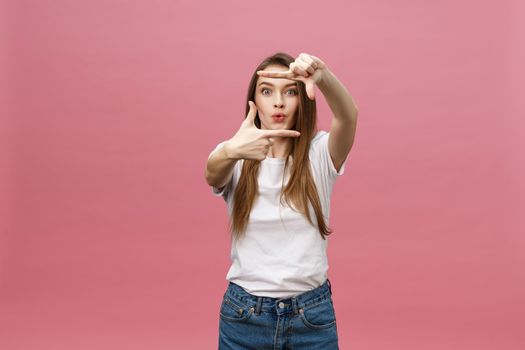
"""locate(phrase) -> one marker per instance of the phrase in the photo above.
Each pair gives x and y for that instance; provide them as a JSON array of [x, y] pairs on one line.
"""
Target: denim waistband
[[242, 298]]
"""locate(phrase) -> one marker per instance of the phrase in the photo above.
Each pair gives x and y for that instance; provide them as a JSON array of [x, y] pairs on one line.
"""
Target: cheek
[[296, 106], [261, 105]]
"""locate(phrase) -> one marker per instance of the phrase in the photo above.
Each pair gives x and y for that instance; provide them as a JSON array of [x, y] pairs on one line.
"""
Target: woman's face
[[276, 95]]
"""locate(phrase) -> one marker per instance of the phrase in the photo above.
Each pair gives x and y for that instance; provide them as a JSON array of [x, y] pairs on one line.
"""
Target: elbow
[[207, 176], [210, 180]]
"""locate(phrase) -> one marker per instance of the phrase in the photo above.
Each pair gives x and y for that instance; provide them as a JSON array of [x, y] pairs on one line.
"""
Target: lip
[[279, 115]]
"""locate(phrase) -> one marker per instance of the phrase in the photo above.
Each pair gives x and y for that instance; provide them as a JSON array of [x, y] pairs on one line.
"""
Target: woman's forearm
[[219, 167], [337, 96]]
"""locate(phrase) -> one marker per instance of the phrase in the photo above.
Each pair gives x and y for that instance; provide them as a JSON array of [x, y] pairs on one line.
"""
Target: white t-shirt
[[282, 254]]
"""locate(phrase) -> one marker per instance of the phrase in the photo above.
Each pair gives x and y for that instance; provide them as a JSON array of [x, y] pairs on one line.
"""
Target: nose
[[278, 102]]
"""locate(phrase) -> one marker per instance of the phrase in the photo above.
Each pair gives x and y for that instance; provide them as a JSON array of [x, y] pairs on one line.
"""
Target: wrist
[[229, 152], [325, 78]]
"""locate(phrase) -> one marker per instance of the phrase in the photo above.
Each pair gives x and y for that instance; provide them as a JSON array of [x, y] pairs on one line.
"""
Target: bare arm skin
[[248, 143], [344, 122], [313, 71], [219, 168]]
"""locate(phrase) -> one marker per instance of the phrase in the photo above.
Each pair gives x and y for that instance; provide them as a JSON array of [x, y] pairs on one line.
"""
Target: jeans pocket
[[234, 311], [319, 316]]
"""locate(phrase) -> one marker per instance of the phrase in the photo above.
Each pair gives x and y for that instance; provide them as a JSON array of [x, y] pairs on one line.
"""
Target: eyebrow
[[267, 83]]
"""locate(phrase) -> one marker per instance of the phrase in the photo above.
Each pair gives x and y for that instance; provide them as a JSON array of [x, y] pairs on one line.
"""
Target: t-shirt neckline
[[275, 160]]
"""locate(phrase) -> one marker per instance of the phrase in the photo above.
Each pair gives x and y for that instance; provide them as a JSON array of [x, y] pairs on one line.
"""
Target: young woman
[[276, 175]]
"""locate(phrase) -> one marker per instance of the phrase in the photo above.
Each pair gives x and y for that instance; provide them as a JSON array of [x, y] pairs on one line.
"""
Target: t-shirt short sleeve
[[322, 154], [323, 168], [221, 192]]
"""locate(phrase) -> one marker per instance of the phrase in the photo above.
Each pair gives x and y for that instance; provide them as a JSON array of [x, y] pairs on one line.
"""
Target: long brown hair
[[300, 189]]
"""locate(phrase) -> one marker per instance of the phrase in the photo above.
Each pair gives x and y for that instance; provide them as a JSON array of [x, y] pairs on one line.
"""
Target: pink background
[[111, 239]]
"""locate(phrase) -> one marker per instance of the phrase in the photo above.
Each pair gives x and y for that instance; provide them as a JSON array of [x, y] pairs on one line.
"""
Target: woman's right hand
[[251, 142]]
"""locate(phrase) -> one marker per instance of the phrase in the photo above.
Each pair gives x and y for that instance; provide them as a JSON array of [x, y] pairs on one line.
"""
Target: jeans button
[[281, 305]]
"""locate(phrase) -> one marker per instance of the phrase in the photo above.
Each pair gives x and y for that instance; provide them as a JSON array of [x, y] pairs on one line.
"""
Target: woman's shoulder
[[319, 135]]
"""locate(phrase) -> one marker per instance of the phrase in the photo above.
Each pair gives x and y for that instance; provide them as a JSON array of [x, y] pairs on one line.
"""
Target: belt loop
[[294, 306], [258, 306], [329, 285]]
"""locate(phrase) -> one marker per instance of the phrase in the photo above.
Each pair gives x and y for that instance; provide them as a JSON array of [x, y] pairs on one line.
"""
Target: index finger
[[281, 133], [275, 74]]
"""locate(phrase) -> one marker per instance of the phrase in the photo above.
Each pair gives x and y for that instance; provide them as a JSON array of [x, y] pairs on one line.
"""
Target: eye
[[293, 91]]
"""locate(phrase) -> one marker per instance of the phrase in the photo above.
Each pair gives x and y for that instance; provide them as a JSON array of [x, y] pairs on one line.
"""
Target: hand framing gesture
[[251, 142], [305, 68]]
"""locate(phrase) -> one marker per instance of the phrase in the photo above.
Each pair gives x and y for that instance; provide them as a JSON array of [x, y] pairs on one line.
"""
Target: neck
[[278, 149]]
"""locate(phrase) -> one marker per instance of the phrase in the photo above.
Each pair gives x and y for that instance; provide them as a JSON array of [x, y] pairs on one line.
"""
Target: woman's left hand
[[306, 68]]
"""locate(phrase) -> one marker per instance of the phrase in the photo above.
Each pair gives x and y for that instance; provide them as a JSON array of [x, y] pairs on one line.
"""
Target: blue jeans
[[306, 321]]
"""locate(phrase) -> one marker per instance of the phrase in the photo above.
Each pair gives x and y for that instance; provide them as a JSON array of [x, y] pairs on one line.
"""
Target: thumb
[[250, 118], [310, 90], [309, 86]]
